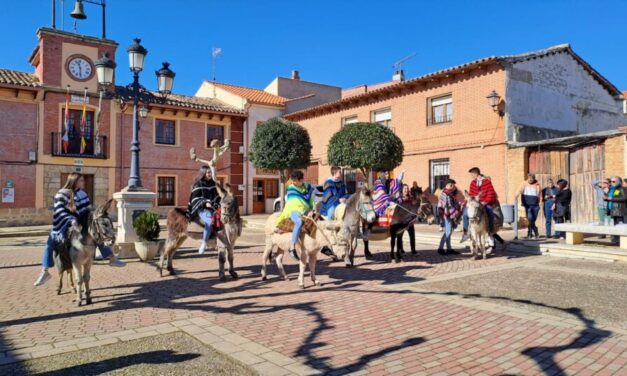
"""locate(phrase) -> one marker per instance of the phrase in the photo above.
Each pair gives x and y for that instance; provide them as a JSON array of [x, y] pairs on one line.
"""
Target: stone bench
[[575, 232]]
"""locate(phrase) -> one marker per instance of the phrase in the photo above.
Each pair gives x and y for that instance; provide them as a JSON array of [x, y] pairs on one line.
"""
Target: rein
[[99, 238]]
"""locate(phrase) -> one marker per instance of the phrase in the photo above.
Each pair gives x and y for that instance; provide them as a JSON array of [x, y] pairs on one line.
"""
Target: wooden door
[[89, 185], [259, 196], [586, 165]]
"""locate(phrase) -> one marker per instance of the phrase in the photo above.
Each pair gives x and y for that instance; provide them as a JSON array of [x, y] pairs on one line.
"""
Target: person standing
[[616, 200], [406, 196], [561, 208], [450, 211], [203, 200], [548, 201], [415, 191], [601, 188], [529, 193]]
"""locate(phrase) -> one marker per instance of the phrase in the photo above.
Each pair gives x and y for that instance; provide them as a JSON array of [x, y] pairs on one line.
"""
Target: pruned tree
[[280, 145], [366, 146]]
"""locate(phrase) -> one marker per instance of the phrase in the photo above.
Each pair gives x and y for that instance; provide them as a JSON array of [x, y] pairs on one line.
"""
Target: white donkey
[[478, 229]]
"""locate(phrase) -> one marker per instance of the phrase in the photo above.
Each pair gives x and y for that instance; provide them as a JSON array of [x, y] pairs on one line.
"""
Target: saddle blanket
[[386, 219]]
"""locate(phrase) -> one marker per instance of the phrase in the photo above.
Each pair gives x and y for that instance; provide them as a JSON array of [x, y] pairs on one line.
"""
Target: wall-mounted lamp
[[494, 99], [143, 112]]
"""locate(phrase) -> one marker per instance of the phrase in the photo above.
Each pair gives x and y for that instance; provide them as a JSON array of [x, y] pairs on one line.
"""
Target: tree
[[366, 146], [280, 145]]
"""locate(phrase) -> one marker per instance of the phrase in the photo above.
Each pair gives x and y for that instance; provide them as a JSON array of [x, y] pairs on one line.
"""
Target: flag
[[66, 121], [97, 126], [83, 123], [216, 51]]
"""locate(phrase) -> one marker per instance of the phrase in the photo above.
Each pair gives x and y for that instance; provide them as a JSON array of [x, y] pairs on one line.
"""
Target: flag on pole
[[84, 123], [97, 127], [66, 121], [216, 51]]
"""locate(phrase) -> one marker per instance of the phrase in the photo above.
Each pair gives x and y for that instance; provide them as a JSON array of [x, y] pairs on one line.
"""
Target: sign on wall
[[8, 195]]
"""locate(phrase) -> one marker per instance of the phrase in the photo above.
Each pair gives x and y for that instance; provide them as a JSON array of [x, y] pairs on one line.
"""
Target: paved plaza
[[430, 315]]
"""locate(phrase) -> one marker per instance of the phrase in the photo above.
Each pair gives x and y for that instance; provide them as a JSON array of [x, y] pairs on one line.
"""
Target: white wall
[[554, 92]]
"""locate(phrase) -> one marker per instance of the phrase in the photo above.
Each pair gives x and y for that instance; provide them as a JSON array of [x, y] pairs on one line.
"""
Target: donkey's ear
[[466, 195], [107, 205], [228, 189]]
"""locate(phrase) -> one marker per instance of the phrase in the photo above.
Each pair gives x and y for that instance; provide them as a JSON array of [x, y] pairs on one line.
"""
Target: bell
[[78, 11]]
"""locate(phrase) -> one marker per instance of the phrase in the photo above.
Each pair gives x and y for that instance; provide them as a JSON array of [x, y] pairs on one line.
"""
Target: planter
[[148, 250]]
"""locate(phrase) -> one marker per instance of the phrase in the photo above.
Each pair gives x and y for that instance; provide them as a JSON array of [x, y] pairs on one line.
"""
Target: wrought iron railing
[[95, 147]]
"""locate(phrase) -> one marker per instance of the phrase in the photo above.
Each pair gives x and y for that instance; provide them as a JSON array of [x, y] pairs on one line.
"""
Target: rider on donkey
[[203, 201], [482, 188], [386, 191], [335, 193], [300, 201]]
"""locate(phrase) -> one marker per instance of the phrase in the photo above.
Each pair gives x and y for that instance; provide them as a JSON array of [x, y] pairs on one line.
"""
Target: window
[[74, 131], [166, 190], [439, 173], [440, 110], [349, 120], [383, 117], [215, 132], [165, 132]]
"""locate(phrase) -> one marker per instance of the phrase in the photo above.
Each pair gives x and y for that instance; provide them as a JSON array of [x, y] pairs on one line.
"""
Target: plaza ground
[[510, 314]]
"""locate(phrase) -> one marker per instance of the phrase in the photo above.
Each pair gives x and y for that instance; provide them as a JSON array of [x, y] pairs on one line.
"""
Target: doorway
[[263, 190]]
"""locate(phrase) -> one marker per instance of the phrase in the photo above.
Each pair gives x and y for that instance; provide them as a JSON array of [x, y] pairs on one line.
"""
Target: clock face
[[80, 68]]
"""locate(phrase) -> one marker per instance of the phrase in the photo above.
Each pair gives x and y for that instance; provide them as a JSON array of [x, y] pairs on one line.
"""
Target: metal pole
[[104, 25], [54, 14], [516, 218], [134, 181]]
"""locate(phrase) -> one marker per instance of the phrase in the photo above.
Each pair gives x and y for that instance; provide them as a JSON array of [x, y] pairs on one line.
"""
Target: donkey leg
[[221, 261], [70, 278], [229, 257], [312, 269], [399, 247], [366, 233], [86, 278], [79, 284], [279, 264], [60, 286], [265, 257], [392, 245], [301, 268]]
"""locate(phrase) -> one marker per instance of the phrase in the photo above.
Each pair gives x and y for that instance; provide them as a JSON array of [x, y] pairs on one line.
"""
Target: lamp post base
[[131, 202]]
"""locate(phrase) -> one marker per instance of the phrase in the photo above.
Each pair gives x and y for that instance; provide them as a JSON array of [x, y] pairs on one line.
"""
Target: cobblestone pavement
[[377, 318]]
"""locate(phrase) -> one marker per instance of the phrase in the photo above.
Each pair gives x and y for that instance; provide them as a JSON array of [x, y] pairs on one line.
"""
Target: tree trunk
[[282, 187]]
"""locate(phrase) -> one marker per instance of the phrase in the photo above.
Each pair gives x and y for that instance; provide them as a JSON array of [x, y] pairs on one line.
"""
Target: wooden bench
[[575, 232]]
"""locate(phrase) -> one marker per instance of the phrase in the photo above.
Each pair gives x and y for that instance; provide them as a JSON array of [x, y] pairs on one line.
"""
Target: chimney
[[295, 75], [398, 76]]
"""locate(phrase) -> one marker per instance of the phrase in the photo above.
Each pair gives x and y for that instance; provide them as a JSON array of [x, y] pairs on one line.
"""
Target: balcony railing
[[74, 146]]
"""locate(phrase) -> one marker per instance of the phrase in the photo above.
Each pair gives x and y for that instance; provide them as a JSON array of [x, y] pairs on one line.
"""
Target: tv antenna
[[398, 65]]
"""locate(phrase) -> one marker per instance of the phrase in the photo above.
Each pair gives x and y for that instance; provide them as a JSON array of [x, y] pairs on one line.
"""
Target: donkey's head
[[228, 203], [100, 226], [474, 209], [75, 235], [365, 206]]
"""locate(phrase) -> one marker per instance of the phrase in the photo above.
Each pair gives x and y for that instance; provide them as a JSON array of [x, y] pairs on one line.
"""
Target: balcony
[[74, 147]]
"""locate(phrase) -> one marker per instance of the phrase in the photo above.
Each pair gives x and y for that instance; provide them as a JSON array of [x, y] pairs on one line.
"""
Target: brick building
[[33, 163], [448, 126]]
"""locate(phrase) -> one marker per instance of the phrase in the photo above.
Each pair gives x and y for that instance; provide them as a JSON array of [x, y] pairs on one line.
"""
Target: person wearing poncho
[[300, 201], [386, 191]]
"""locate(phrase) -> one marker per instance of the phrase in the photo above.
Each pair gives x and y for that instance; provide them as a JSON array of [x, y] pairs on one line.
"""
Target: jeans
[[298, 224], [489, 210], [48, 261], [207, 218], [446, 237], [548, 215], [602, 215], [559, 234], [532, 215], [331, 213]]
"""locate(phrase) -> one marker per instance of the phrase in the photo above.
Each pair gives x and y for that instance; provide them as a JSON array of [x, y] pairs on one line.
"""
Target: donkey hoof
[[171, 272], [79, 303], [317, 283], [223, 278], [397, 261], [88, 301], [234, 275], [348, 265], [286, 278], [58, 292], [302, 287], [264, 278]]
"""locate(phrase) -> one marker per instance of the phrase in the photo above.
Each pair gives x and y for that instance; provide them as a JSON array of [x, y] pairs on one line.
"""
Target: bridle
[[96, 229], [365, 209], [478, 214]]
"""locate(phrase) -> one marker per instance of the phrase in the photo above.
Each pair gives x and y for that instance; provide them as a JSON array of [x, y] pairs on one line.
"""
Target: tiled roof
[[11, 77], [503, 60], [194, 103], [253, 95]]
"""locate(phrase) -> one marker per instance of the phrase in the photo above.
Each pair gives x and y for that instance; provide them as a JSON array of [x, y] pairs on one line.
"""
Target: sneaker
[[292, 253], [464, 238], [490, 242], [115, 261], [44, 276], [203, 248], [452, 252]]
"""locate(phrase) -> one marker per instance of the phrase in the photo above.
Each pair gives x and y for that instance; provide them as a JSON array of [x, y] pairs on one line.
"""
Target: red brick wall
[[18, 127]]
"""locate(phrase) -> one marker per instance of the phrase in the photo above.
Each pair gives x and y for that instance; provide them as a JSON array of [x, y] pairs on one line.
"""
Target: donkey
[[405, 214], [358, 209], [324, 234], [179, 229], [83, 240], [479, 226]]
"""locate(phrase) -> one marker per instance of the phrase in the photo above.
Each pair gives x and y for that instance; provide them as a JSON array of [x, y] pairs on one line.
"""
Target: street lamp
[[135, 92], [494, 99]]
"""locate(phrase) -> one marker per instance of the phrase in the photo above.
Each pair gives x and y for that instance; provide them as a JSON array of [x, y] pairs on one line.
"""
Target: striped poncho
[[299, 200], [62, 215], [333, 192], [382, 198]]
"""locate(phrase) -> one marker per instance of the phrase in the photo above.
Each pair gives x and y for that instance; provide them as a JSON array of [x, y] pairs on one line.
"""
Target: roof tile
[[12, 77], [253, 95]]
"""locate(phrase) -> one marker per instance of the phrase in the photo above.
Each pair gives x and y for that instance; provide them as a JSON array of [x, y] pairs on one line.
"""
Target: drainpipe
[[246, 162]]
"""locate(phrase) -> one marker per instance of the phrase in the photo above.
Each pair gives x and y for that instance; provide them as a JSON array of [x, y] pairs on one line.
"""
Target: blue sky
[[342, 43]]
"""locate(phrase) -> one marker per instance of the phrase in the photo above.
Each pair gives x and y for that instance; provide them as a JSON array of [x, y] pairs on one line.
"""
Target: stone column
[[130, 204]]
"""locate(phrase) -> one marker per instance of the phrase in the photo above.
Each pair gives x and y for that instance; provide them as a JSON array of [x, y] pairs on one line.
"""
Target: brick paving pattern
[[361, 320]]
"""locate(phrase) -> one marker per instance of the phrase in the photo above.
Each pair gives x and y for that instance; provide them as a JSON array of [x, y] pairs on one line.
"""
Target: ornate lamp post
[[136, 92]]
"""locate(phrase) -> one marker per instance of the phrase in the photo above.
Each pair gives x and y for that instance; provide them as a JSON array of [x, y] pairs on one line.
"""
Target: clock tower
[[62, 58]]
